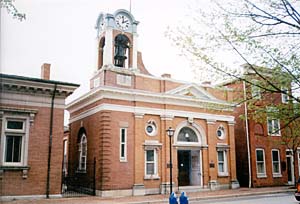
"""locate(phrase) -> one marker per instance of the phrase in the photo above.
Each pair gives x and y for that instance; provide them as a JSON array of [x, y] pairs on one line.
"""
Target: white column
[[135, 50], [96, 53], [108, 48]]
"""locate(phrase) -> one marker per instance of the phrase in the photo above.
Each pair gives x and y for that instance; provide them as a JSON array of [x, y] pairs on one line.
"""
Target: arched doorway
[[189, 155]]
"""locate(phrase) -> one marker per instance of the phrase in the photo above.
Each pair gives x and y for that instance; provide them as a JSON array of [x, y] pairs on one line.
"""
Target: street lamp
[[170, 133]]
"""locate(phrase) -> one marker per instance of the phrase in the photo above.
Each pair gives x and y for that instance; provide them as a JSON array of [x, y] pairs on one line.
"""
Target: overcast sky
[[62, 33]]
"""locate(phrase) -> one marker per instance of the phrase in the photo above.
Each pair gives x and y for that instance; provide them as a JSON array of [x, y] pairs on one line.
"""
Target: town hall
[[148, 134]]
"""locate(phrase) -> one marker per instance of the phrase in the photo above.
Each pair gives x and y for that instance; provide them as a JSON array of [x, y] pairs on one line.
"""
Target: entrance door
[[195, 167], [290, 167], [184, 165]]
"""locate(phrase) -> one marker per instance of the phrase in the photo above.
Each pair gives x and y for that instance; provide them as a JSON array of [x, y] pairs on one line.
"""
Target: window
[[273, 127], [123, 144], [150, 163], [276, 163], [222, 163], [187, 134], [255, 92], [82, 153], [284, 96], [221, 132], [260, 163], [15, 141], [150, 128]]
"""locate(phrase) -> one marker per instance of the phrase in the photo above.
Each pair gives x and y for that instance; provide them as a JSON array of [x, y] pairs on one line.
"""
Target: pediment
[[193, 91]]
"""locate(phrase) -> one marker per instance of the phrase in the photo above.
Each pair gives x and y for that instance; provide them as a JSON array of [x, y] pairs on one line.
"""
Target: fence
[[79, 182]]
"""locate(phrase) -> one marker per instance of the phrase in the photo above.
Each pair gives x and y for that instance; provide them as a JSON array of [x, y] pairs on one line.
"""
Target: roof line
[[8, 76]]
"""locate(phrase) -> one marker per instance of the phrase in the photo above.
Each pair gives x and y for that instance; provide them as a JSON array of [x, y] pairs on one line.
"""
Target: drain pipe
[[50, 141], [247, 135]]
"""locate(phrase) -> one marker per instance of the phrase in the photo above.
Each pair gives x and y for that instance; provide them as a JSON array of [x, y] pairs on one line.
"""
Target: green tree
[[264, 35], [12, 10]]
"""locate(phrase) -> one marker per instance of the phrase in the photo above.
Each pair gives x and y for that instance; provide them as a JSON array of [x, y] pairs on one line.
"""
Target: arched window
[[121, 50], [82, 150], [258, 129], [187, 134]]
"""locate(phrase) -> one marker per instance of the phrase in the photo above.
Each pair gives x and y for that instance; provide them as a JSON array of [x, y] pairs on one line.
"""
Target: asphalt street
[[279, 198]]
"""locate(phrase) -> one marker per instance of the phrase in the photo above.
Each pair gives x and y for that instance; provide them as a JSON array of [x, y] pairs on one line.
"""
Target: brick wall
[[12, 182]]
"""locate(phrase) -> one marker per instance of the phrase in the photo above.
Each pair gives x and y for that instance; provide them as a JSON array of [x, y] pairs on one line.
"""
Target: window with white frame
[[255, 91], [151, 163], [284, 95], [299, 162], [276, 163], [123, 144], [273, 126], [222, 163], [82, 153], [260, 163], [15, 141]]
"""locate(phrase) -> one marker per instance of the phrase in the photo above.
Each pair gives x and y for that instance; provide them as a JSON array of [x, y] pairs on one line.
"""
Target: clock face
[[122, 21]]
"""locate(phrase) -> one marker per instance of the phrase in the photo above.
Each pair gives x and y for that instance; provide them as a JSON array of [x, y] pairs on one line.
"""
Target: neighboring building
[[25, 114], [118, 129], [264, 157]]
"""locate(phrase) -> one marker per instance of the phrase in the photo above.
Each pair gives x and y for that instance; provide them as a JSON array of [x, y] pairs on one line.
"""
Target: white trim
[[25, 139], [145, 96], [155, 162], [181, 90], [30, 100], [276, 174], [273, 133], [198, 129], [134, 51], [108, 48], [284, 97], [152, 124], [260, 175], [124, 158], [81, 150], [225, 163], [291, 156], [223, 132], [152, 111]]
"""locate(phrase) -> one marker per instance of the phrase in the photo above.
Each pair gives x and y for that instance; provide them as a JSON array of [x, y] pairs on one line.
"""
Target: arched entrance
[[189, 140]]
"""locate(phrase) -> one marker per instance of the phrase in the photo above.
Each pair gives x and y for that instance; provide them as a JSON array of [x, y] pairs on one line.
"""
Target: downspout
[[247, 134], [50, 141]]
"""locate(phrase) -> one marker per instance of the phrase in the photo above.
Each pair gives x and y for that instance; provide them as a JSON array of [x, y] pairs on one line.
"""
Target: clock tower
[[117, 41]]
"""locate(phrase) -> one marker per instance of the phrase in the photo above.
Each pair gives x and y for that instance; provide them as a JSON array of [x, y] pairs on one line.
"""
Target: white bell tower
[[117, 41]]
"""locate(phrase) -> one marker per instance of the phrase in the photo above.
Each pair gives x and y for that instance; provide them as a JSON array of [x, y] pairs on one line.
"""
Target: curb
[[217, 196]]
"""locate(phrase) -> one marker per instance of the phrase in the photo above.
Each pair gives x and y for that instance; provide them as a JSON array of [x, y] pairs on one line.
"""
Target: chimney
[[45, 71], [166, 75]]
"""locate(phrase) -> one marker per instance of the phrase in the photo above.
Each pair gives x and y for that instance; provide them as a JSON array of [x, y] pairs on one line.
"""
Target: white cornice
[[26, 99], [151, 111], [145, 96], [35, 86]]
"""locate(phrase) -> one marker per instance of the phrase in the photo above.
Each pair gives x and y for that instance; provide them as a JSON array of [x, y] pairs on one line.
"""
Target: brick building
[[25, 115], [265, 159], [120, 124]]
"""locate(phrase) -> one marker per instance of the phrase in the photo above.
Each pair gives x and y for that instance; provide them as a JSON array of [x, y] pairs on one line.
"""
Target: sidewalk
[[157, 199]]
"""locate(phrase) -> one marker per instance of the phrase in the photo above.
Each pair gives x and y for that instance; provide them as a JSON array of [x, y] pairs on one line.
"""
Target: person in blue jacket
[[183, 199], [173, 198]]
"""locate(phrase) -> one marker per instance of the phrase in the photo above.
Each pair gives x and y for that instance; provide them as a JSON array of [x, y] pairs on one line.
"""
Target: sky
[[62, 33]]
